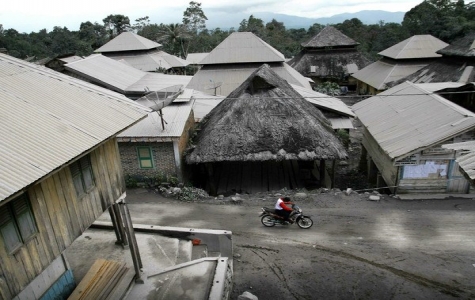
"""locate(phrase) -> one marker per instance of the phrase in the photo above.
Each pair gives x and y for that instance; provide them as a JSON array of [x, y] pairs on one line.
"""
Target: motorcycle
[[269, 218]]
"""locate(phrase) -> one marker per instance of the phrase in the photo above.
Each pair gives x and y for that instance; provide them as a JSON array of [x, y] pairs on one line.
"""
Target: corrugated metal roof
[[111, 73], [243, 47], [175, 117], [227, 78], [466, 161], [70, 58], [408, 118], [329, 37], [47, 119], [122, 77], [150, 61], [196, 58], [204, 103], [383, 71], [128, 41], [341, 123], [158, 81], [417, 46], [324, 101]]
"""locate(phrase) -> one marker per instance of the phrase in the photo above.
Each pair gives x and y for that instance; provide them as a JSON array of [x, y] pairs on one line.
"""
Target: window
[[83, 178], [17, 223], [145, 157]]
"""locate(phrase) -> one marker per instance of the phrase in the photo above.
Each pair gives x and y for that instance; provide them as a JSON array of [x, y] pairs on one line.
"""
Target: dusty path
[[357, 249]]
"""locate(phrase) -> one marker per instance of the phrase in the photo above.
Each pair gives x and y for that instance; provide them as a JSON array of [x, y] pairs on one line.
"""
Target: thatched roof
[[265, 119], [334, 64], [461, 47], [445, 69], [329, 37]]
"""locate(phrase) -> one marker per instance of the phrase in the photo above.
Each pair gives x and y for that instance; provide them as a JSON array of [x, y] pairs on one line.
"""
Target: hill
[[366, 17]]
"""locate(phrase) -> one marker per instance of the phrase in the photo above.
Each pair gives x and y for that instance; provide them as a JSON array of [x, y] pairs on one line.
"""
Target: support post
[[132, 245]]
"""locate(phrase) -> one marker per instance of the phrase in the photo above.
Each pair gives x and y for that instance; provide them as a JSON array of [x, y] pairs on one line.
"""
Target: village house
[[264, 136], [457, 64], [330, 56], [404, 130], [142, 54], [397, 62], [229, 64], [60, 171]]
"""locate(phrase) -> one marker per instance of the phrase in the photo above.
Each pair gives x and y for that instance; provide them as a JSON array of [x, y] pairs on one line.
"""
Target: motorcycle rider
[[281, 208]]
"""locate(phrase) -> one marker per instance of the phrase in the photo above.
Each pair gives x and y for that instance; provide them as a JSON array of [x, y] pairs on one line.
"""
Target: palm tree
[[174, 37]]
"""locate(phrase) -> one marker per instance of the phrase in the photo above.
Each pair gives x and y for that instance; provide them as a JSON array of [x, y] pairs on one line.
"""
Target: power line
[[344, 96]]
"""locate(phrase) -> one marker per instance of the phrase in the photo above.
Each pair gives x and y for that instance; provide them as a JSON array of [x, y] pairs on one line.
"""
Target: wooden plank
[[91, 274], [70, 217], [35, 251], [59, 206], [54, 216], [11, 270], [24, 259], [69, 196], [44, 224]]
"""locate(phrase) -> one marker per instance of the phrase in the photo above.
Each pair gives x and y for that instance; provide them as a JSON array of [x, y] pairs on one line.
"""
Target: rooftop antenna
[[215, 86], [157, 100]]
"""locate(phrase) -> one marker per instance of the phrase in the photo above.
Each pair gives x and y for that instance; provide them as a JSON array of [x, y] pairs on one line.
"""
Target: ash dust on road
[[356, 249]]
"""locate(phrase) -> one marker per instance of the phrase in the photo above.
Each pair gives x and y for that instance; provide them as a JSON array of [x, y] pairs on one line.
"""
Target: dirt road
[[357, 249]]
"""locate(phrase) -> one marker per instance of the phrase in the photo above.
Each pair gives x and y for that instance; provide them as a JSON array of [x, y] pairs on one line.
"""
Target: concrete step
[[158, 252]]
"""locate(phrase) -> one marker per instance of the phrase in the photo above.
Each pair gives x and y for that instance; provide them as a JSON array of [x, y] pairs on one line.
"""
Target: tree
[[254, 25], [140, 23], [194, 18], [92, 34], [116, 24], [174, 38]]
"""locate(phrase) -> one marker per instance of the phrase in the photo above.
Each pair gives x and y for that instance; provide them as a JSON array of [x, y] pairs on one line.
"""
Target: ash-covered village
[[129, 169]]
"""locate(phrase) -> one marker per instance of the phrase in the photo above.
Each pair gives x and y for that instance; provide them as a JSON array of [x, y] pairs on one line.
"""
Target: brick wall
[[163, 159]]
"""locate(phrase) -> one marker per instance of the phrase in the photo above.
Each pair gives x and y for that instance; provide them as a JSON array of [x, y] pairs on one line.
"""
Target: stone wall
[[163, 159]]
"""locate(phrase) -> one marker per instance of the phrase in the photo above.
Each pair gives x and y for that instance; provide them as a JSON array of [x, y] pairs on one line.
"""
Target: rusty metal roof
[[417, 46], [48, 119], [128, 41], [410, 117]]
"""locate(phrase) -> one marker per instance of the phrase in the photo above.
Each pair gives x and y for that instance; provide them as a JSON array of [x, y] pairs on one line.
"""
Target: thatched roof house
[[329, 56], [457, 64], [264, 120], [397, 62]]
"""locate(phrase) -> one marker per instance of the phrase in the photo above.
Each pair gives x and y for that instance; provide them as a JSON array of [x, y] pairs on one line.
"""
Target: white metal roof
[[381, 72], [225, 79], [466, 161], [149, 129], [341, 123], [243, 47], [324, 101], [122, 77], [196, 58], [150, 61], [128, 41], [407, 118], [47, 119], [417, 46]]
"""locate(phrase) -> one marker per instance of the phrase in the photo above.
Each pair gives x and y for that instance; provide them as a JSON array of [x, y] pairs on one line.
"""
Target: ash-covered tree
[[116, 24], [194, 21]]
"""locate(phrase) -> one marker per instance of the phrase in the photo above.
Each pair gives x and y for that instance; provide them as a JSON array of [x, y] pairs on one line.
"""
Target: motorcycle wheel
[[268, 221], [304, 222]]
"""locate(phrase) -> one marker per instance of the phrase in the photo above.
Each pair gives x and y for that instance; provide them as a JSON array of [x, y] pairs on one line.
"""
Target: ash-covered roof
[[329, 37], [265, 119]]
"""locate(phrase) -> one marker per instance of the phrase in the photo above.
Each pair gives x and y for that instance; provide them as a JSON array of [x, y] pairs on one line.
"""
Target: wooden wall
[[381, 160], [61, 216]]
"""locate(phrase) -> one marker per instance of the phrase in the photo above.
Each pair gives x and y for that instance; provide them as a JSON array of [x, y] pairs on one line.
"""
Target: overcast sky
[[34, 15]]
